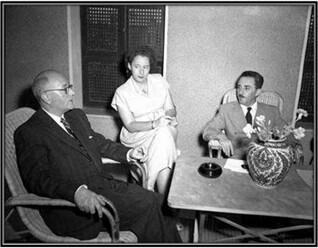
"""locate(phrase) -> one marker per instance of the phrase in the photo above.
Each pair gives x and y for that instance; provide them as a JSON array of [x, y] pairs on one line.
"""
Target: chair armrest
[[35, 200], [138, 169], [113, 219]]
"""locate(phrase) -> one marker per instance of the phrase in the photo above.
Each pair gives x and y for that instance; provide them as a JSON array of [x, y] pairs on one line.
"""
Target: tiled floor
[[213, 230]]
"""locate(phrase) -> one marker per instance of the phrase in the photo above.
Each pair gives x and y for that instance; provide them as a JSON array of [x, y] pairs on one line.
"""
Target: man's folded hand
[[89, 202], [227, 146]]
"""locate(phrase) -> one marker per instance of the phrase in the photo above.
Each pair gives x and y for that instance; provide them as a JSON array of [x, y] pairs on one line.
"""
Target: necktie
[[71, 133], [248, 116], [67, 127]]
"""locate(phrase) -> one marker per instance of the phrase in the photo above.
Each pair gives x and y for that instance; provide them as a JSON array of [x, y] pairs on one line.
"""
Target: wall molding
[[74, 53], [302, 62]]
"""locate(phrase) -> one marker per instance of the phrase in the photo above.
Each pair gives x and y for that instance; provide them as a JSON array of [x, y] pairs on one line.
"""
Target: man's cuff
[[221, 136]]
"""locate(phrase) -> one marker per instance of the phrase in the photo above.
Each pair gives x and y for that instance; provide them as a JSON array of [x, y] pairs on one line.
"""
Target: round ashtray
[[210, 170]]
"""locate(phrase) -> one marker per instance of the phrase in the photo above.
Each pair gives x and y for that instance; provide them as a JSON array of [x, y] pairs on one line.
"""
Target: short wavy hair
[[259, 80], [144, 51]]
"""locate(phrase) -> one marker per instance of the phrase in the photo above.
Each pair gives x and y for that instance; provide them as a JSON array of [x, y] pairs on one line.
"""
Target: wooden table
[[236, 193]]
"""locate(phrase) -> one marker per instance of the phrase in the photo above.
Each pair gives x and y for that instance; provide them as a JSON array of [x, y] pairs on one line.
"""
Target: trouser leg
[[140, 211]]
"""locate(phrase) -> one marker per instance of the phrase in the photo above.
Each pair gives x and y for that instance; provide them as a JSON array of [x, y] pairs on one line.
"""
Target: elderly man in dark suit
[[59, 156], [234, 116]]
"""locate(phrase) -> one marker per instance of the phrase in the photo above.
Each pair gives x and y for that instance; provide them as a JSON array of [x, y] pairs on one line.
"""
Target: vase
[[269, 162]]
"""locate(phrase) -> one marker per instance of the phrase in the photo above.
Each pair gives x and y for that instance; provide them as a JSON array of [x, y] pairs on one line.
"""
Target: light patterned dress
[[158, 142]]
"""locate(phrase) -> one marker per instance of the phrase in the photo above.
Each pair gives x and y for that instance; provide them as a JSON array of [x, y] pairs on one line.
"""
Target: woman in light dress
[[146, 108]]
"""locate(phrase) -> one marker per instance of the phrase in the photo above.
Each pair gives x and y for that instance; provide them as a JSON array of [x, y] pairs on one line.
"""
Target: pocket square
[[90, 137]]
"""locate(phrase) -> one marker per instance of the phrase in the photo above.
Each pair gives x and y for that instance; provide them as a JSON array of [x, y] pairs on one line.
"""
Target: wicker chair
[[268, 97], [26, 203]]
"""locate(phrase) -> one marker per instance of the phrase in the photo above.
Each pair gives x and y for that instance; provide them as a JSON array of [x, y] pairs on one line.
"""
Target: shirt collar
[[56, 118], [136, 87], [253, 106]]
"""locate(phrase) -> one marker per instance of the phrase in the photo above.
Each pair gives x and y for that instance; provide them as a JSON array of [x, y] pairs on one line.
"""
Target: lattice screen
[[101, 54], [102, 81], [145, 28], [102, 29], [306, 98], [107, 33]]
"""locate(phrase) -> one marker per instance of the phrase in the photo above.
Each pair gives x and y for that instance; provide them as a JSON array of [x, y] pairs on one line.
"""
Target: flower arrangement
[[265, 132]]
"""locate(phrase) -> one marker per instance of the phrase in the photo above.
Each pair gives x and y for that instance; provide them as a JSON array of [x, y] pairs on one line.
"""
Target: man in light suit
[[63, 160], [227, 126]]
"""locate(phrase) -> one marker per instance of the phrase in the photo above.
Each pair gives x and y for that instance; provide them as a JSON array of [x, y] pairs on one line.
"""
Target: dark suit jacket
[[231, 119], [53, 164]]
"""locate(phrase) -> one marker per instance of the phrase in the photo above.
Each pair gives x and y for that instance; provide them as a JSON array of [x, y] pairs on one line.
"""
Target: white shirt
[[253, 110], [57, 119]]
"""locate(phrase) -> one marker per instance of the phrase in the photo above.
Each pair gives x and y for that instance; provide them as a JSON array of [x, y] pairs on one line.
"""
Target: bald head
[[43, 82], [53, 91]]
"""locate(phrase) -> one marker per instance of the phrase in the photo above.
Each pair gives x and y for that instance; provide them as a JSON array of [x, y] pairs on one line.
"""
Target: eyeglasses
[[66, 89]]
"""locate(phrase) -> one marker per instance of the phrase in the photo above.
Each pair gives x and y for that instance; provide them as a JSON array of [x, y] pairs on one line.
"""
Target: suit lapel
[[56, 130], [259, 111], [238, 114], [80, 131]]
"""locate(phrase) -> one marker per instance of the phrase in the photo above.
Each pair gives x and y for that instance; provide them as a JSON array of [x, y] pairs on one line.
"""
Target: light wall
[[209, 46], [35, 40]]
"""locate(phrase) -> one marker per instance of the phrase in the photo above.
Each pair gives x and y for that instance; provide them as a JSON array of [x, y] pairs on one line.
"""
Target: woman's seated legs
[[162, 154], [163, 180], [174, 132]]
